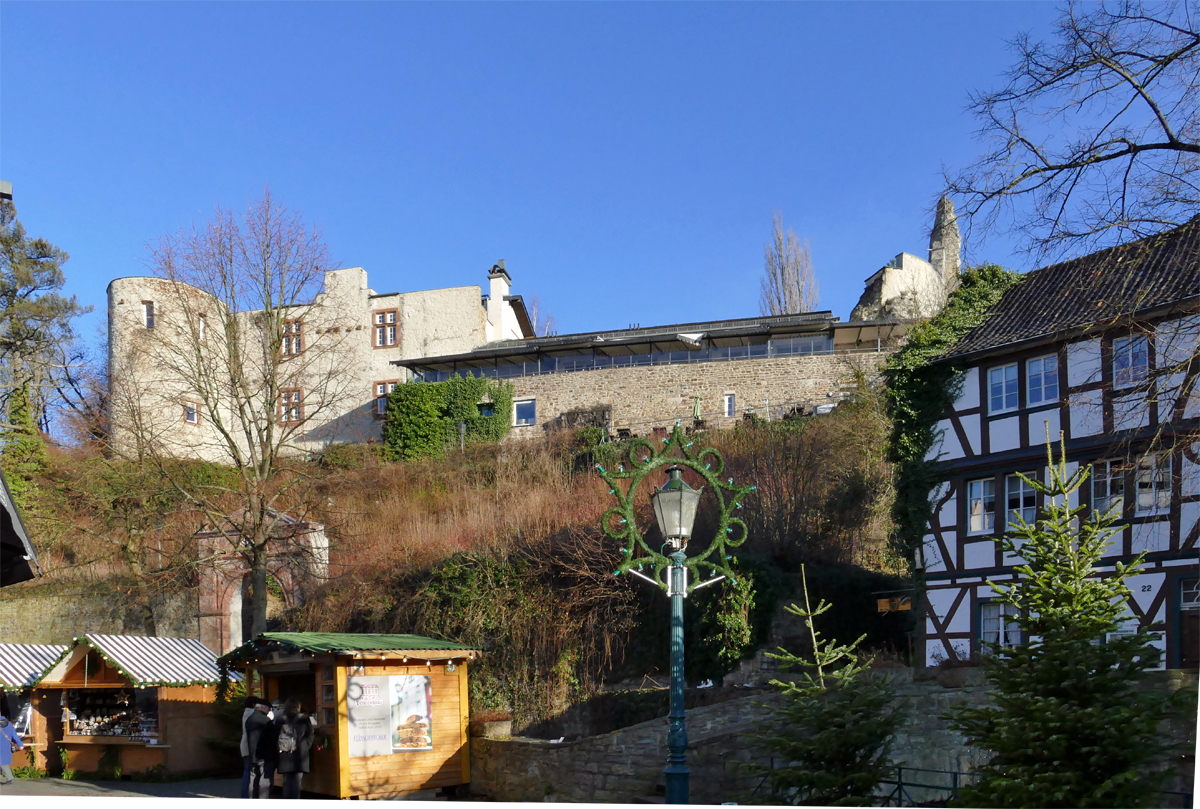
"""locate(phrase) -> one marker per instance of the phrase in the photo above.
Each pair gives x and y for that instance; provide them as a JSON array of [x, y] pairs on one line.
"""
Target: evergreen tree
[[837, 726], [1072, 722]]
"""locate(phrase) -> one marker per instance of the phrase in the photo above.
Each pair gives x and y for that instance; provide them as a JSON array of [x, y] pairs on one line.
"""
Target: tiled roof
[[1092, 290], [23, 664]]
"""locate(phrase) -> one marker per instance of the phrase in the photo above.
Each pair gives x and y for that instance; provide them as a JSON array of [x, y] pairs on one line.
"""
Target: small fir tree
[[837, 726], [1072, 723]]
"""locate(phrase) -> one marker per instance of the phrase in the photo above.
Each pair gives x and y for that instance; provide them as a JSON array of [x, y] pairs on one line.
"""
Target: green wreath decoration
[[618, 522]]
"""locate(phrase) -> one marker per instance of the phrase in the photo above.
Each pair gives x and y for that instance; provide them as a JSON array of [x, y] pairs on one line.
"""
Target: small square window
[[981, 506], [327, 672], [525, 413], [1131, 361], [1041, 380], [1002, 389], [293, 338], [328, 693], [291, 406], [487, 409], [329, 716], [730, 405]]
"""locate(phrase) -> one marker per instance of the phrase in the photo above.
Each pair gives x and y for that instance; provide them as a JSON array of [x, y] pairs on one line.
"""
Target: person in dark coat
[[258, 725], [294, 741]]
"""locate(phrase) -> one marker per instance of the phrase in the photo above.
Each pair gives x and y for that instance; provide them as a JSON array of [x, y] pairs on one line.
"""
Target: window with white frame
[[730, 404], [148, 314], [1108, 487], [382, 389], [1021, 499], [1002, 389], [1152, 477], [291, 406], [525, 413], [200, 326], [386, 330], [981, 506], [1131, 361], [1041, 380], [998, 627], [293, 337], [191, 412]]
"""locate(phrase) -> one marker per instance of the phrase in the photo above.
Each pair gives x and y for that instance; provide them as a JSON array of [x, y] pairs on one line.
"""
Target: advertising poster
[[389, 714]]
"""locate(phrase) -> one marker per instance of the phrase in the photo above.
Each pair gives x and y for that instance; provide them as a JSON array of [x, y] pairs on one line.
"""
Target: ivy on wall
[[920, 392], [422, 417]]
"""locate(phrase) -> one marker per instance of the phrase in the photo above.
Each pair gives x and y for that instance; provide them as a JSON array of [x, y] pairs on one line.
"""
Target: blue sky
[[624, 158]]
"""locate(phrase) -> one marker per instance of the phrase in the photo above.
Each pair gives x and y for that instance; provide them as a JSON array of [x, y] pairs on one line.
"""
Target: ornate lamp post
[[675, 510]]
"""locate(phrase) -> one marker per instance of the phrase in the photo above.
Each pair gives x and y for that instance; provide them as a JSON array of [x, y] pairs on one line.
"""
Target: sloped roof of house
[[151, 661], [23, 664], [1091, 291], [341, 642]]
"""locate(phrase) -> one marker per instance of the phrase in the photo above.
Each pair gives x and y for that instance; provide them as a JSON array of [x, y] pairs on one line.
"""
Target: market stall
[[391, 710], [21, 666], [128, 702]]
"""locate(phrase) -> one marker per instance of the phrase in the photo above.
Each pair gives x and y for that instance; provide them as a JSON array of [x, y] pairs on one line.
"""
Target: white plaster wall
[[438, 322], [1087, 413], [1083, 362], [976, 555], [1038, 423], [1177, 340], [1189, 514], [1144, 597], [940, 602], [1004, 434], [968, 394], [970, 425], [948, 515], [1151, 536], [945, 445], [932, 555], [1131, 412]]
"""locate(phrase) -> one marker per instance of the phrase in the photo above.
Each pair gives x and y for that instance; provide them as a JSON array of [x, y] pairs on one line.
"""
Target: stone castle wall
[[625, 766], [57, 616], [643, 397]]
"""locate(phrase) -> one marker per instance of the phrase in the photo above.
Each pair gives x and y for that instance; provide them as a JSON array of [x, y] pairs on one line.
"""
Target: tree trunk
[[258, 592]]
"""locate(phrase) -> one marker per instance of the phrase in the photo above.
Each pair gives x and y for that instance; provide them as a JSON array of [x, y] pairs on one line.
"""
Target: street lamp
[[675, 510]]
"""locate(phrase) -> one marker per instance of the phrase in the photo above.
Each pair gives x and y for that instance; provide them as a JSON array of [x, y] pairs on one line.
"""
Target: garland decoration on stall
[[618, 522]]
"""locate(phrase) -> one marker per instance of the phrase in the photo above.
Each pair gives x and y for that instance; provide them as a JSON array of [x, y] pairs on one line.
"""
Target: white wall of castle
[[154, 370]]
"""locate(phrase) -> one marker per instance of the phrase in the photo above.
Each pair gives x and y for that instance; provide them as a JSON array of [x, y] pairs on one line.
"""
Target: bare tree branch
[[789, 285]]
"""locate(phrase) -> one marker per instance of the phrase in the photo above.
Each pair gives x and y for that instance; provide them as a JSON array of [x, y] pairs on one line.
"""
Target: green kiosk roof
[[339, 642]]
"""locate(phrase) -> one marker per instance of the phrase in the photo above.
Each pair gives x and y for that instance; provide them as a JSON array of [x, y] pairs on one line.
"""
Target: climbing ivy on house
[[920, 392], [422, 418]]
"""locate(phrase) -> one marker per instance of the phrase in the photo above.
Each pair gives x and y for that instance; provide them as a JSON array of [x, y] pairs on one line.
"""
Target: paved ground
[[49, 787]]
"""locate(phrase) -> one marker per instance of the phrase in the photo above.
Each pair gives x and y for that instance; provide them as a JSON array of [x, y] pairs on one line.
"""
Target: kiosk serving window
[[129, 713]]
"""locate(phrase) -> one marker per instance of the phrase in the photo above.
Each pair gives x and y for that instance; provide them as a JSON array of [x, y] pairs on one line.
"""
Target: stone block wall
[[643, 397], [626, 765], [41, 616]]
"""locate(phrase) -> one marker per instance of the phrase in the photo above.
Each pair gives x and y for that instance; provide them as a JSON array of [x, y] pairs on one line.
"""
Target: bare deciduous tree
[[1095, 139], [544, 324], [789, 285], [247, 366]]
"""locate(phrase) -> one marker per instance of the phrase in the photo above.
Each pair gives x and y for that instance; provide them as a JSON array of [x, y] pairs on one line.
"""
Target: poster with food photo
[[412, 713]]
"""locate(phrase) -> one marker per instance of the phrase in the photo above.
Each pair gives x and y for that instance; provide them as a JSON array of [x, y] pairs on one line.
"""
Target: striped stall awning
[[22, 664], [158, 661]]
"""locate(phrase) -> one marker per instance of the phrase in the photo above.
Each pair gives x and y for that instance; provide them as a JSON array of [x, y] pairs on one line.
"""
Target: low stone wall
[[626, 765]]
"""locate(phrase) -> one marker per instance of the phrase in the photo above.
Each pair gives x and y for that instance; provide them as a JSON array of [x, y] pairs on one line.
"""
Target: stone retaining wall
[[56, 616], [626, 765]]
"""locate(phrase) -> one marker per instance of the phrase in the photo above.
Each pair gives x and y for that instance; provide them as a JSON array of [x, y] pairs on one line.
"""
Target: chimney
[[498, 288]]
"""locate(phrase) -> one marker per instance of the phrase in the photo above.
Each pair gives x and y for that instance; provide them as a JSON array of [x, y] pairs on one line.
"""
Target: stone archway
[[297, 559]]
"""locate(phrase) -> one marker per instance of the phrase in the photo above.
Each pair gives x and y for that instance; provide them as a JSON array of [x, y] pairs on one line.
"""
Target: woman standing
[[295, 740]]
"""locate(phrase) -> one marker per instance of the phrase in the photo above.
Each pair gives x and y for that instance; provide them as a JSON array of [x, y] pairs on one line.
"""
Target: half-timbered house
[[1102, 352]]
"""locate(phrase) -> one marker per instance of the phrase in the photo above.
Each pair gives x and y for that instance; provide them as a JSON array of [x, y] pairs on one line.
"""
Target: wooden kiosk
[[391, 710], [21, 666], [134, 702]]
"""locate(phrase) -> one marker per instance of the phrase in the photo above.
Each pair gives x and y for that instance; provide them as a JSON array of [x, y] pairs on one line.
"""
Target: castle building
[[1104, 352], [172, 362]]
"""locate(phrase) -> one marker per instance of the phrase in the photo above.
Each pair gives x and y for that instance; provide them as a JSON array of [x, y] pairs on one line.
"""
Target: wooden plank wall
[[186, 717], [403, 773]]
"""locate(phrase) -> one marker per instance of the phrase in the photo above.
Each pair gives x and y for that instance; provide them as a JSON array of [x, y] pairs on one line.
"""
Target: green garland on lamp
[[618, 522]]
